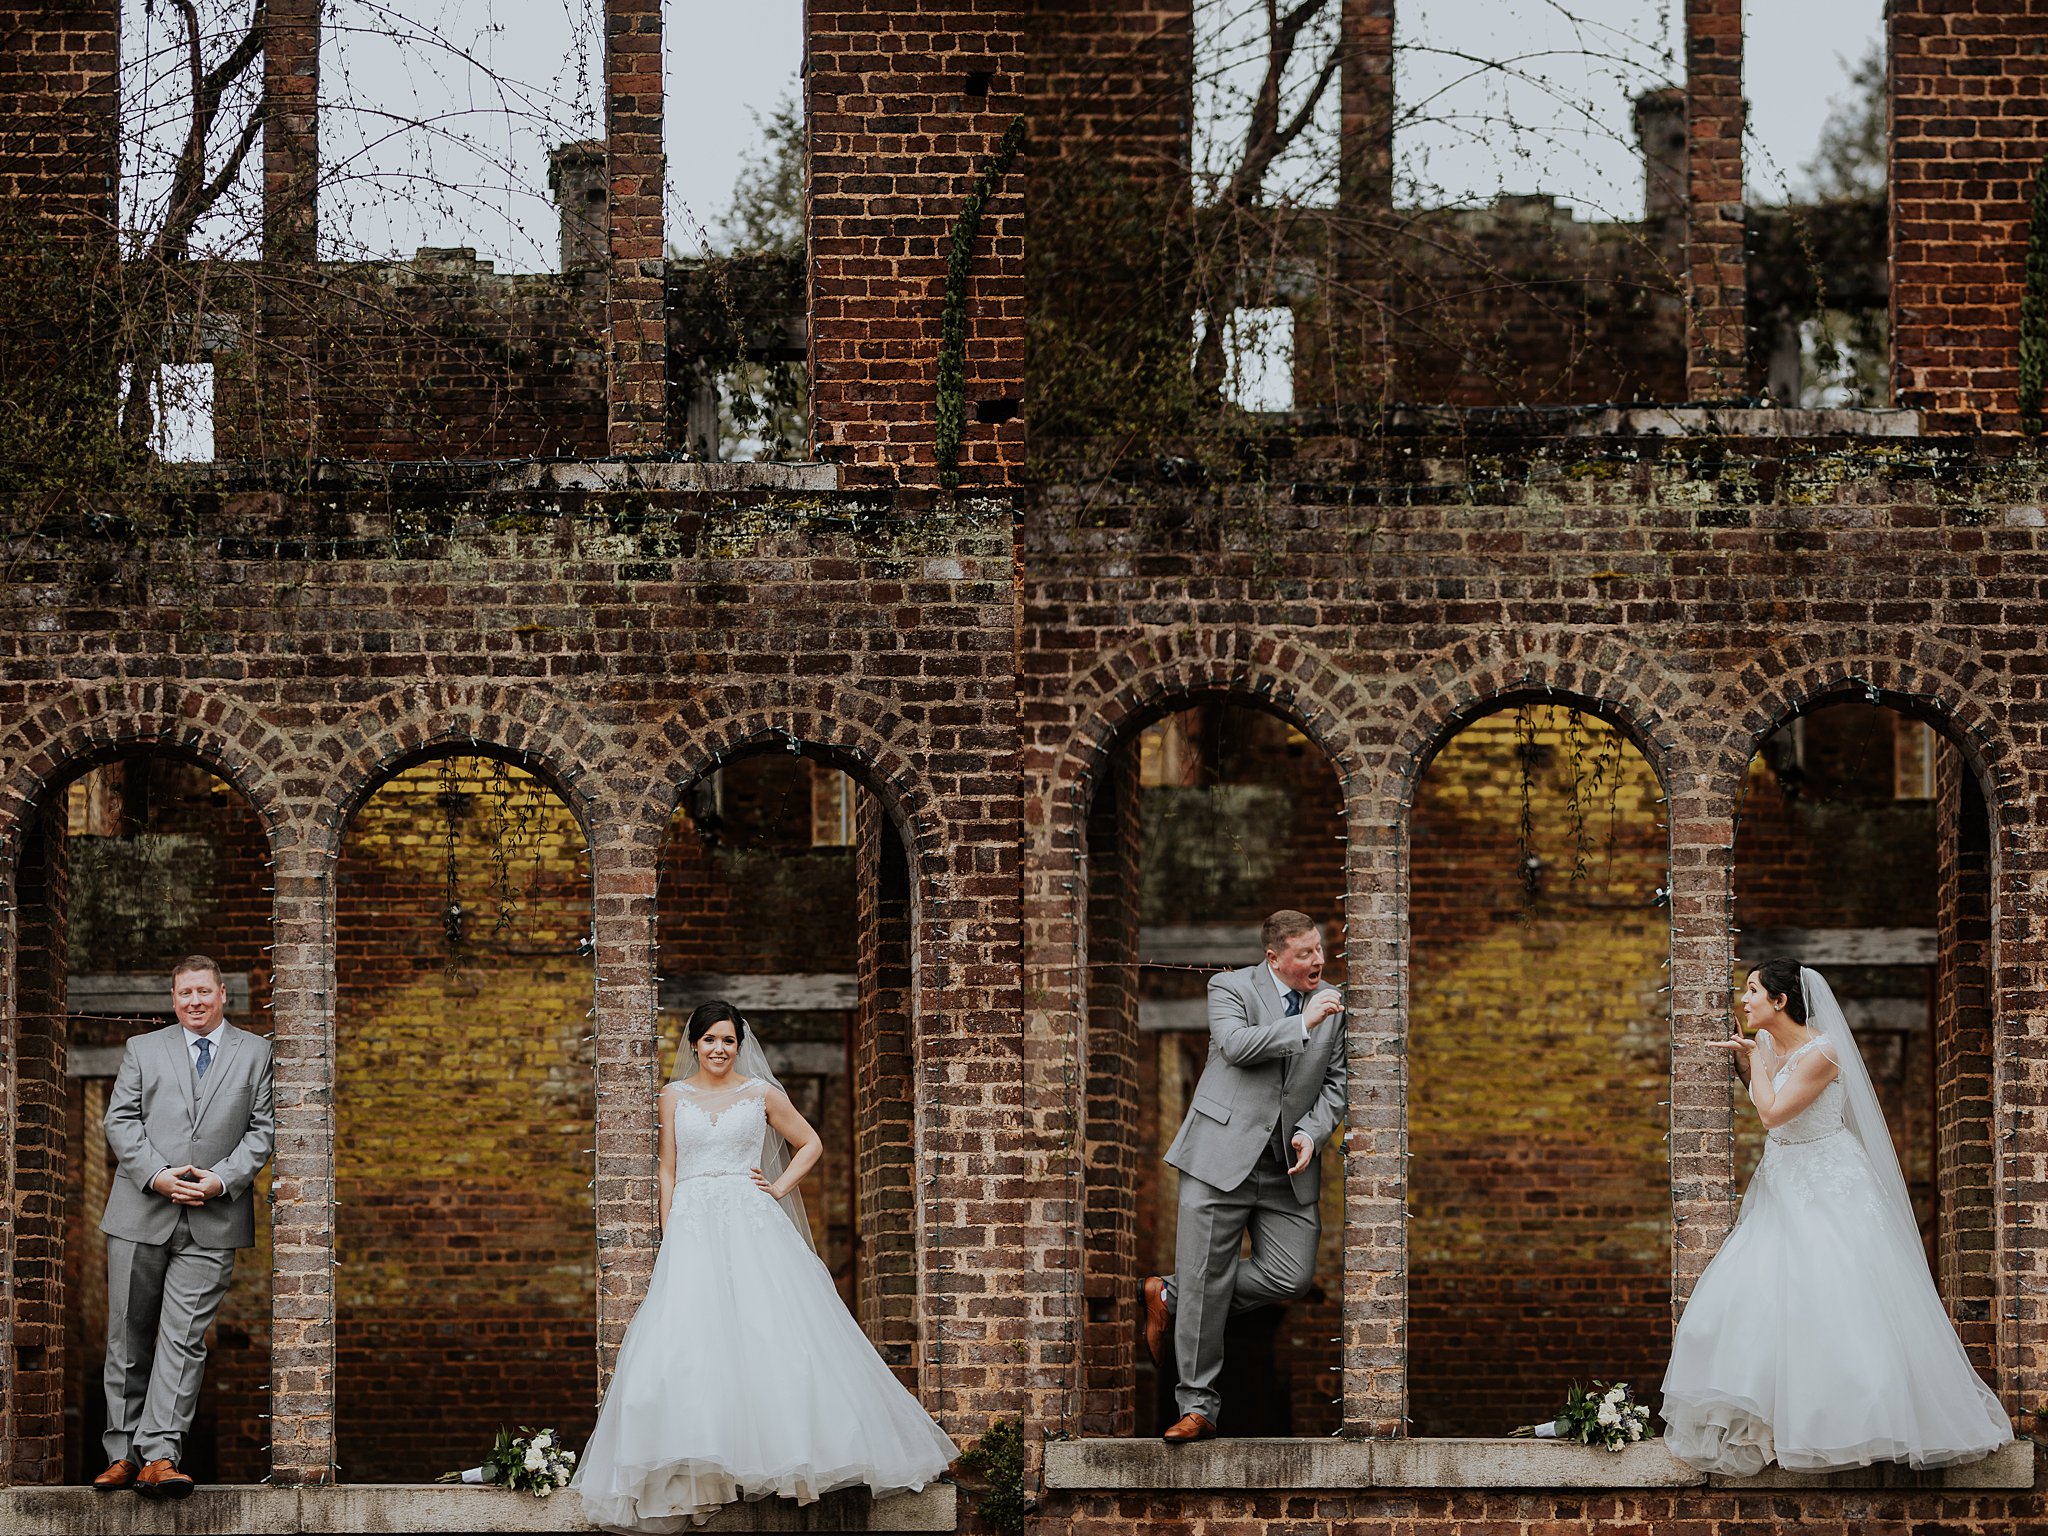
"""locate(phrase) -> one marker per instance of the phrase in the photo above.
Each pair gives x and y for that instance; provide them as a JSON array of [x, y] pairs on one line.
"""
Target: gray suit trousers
[[1280, 1268], [161, 1299]]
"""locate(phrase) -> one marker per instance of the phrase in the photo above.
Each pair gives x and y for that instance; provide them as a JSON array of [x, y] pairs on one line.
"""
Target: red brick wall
[[1966, 117], [435, 359], [897, 138]]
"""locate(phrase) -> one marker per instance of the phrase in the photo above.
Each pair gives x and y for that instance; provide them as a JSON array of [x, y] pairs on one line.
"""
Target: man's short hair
[[199, 963], [1284, 926]]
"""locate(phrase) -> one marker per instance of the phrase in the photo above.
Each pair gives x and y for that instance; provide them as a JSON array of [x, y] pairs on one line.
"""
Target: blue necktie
[[205, 1057], [1294, 1002]]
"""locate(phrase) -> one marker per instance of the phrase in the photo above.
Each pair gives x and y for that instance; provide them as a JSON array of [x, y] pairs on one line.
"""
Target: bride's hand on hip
[[761, 1182]]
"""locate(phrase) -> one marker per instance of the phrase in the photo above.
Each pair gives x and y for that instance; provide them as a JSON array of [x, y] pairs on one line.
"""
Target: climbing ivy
[[2034, 309], [952, 403]]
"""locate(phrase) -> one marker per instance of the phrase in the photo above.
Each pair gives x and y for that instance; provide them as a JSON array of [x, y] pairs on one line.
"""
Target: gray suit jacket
[[1260, 1068], [160, 1116]]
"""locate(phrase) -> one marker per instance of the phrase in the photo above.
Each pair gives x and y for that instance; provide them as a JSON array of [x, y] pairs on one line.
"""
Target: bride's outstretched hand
[[1741, 1048]]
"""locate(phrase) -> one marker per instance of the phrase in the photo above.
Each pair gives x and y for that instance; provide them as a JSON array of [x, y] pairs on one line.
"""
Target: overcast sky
[[437, 114]]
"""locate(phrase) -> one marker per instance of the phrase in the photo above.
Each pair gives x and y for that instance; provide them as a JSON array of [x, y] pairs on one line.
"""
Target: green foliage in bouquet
[[535, 1462], [1604, 1415]]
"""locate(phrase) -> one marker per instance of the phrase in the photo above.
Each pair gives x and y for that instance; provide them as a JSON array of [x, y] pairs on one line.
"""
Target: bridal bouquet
[[534, 1462], [1608, 1417]]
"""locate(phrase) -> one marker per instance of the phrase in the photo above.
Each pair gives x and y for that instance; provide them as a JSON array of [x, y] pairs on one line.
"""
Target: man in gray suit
[[1270, 1094], [189, 1120]]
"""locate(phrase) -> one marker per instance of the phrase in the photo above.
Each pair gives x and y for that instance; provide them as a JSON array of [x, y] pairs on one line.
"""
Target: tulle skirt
[[1815, 1338], [744, 1376]]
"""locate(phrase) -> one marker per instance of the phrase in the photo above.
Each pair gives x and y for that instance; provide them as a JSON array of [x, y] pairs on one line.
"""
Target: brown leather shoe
[[118, 1476], [1157, 1319], [1190, 1426], [162, 1480]]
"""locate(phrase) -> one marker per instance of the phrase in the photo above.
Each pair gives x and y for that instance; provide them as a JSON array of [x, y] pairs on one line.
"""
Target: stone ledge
[[1111, 1465], [263, 1511]]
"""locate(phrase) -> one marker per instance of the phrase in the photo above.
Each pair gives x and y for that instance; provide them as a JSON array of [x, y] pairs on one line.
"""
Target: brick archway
[[44, 750], [1979, 999], [54, 741], [855, 730], [905, 869], [1598, 674], [1087, 1043]]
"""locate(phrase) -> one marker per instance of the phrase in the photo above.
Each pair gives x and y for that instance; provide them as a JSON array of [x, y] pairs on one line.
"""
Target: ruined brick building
[[480, 728]]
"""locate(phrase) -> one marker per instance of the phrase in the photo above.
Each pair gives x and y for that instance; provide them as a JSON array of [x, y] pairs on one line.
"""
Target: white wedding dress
[[1816, 1338], [743, 1375]]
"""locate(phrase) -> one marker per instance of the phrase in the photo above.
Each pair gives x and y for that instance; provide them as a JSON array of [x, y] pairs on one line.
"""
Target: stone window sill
[[1109, 1465], [265, 1511]]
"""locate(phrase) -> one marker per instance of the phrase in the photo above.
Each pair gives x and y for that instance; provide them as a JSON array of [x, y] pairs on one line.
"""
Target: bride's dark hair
[[717, 1011], [1779, 978]]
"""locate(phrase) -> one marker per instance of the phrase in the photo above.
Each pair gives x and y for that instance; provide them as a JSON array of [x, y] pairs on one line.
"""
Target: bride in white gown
[[743, 1375], [1815, 1338]]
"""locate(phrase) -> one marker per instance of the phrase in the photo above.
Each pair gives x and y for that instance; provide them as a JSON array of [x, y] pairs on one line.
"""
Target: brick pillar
[[625, 868], [903, 121], [285, 420], [884, 1116], [1966, 1237], [1375, 1293], [638, 349], [1702, 960], [1365, 199], [58, 113], [1114, 1160], [302, 1179], [36, 1195], [1715, 346]]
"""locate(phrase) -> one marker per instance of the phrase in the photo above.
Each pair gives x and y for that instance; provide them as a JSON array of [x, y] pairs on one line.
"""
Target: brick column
[[1702, 1149], [1715, 344], [1115, 1162], [285, 420], [1966, 1237], [902, 125], [625, 863], [1376, 1132], [1365, 200], [36, 1189], [884, 1135], [302, 1179], [638, 350]]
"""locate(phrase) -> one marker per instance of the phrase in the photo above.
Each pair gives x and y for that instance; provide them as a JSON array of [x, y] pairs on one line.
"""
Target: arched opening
[[1203, 822], [466, 1287], [1539, 1053], [785, 890], [127, 866], [1864, 850]]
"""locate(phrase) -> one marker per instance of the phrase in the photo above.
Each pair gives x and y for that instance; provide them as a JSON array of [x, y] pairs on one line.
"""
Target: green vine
[[997, 1459], [2034, 309], [952, 404]]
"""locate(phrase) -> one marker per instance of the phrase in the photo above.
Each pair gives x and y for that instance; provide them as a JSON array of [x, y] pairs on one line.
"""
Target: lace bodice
[[1823, 1117], [719, 1134]]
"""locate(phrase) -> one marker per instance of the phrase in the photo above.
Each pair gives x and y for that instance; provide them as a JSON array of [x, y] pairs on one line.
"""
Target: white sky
[[497, 81]]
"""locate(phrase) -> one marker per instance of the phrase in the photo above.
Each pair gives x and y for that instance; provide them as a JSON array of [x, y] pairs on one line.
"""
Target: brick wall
[[905, 109], [1538, 1057], [1965, 145], [439, 357], [463, 1103]]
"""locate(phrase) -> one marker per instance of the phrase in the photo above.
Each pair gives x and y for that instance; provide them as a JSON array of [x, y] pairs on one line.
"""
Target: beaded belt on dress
[[1781, 1133], [716, 1173]]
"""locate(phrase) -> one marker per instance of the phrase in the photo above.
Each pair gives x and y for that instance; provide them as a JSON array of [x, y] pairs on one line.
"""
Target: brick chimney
[[1660, 136], [577, 177]]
